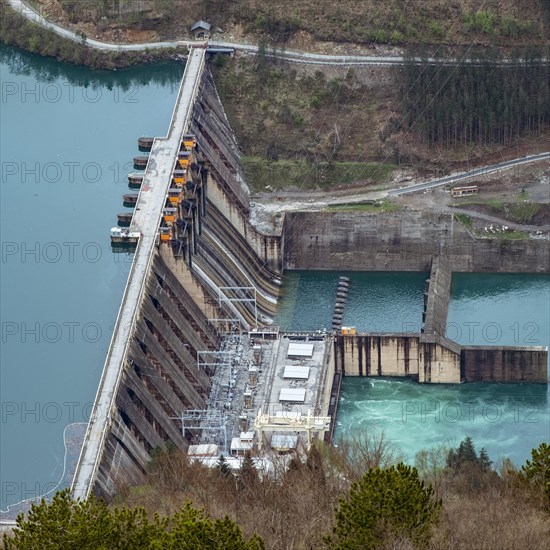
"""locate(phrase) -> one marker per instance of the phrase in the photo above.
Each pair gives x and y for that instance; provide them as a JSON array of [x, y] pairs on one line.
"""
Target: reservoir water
[[67, 136], [377, 302], [485, 309]]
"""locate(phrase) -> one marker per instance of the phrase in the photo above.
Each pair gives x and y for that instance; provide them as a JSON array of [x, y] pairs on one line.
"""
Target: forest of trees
[[486, 101], [358, 496]]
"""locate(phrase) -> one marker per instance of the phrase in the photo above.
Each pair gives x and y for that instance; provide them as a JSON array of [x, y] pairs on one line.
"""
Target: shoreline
[[16, 31]]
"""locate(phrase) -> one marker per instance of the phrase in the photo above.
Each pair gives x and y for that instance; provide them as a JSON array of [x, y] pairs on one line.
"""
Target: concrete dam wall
[[229, 250], [439, 361], [160, 379], [219, 273], [401, 241]]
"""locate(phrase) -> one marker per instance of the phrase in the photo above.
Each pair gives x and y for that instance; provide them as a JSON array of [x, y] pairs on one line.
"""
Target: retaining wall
[[437, 360], [401, 241]]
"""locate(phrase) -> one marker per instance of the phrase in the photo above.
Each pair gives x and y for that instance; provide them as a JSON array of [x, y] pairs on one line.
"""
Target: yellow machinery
[[184, 158], [174, 195], [188, 141], [348, 331], [179, 175], [164, 233], [169, 214], [177, 191]]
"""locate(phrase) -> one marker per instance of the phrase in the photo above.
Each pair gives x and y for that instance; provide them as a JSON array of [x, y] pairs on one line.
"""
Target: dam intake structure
[[195, 359]]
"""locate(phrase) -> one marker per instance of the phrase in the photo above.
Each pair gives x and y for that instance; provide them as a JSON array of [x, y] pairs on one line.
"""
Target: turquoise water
[[67, 138], [382, 302], [509, 420], [508, 310]]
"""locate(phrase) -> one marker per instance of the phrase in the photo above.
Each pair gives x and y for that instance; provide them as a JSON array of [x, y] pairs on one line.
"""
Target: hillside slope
[[304, 23]]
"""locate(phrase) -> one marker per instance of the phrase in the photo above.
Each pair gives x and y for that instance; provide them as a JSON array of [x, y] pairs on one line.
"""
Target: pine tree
[[223, 466], [248, 475], [386, 504], [465, 454], [467, 451], [485, 462], [537, 470], [67, 524], [191, 529]]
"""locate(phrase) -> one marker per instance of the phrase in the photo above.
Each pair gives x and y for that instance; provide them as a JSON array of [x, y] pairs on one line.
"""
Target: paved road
[[456, 178], [288, 55]]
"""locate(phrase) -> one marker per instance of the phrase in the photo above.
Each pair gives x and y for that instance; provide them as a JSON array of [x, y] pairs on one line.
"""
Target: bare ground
[[528, 183]]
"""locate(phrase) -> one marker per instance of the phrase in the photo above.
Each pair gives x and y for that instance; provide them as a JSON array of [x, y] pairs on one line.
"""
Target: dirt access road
[[517, 181]]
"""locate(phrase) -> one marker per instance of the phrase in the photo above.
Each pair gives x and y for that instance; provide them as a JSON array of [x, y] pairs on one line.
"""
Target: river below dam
[[68, 137], [485, 309]]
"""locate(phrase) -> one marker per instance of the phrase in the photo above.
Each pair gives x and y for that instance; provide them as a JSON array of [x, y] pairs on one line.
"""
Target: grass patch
[[513, 236], [522, 212], [376, 207], [523, 195], [370, 172], [519, 212], [264, 175], [493, 202], [464, 219]]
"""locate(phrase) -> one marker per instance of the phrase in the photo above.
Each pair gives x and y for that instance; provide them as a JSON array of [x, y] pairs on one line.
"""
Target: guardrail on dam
[[216, 271]]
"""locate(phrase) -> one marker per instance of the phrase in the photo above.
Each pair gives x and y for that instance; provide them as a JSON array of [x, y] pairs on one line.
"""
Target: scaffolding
[[228, 326], [215, 363], [250, 298], [217, 369]]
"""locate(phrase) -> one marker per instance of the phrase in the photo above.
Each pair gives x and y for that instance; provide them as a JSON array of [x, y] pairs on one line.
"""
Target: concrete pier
[[504, 364], [437, 299], [437, 361]]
